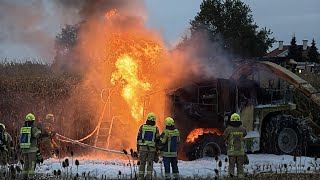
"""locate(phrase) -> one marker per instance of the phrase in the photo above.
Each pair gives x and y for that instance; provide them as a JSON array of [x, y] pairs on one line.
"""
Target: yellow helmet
[[30, 117], [49, 116], [169, 121], [235, 117], [2, 126], [151, 117]]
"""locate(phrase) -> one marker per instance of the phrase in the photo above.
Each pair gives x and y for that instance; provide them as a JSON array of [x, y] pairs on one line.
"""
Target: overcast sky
[[283, 17], [28, 29]]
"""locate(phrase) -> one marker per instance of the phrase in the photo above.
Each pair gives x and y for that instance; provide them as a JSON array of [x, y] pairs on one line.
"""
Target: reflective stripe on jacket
[[147, 135], [32, 144], [169, 140], [235, 140]]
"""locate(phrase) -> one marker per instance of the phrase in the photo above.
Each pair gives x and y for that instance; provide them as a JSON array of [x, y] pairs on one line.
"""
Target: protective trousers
[[146, 159], [29, 165], [174, 164], [4, 161], [47, 147], [236, 160], [4, 157]]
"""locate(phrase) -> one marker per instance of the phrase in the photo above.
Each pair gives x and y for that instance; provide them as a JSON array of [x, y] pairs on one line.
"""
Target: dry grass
[[37, 88]]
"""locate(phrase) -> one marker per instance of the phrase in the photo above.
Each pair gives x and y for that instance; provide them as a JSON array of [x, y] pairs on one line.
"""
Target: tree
[[295, 52], [66, 58], [313, 54], [231, 24]]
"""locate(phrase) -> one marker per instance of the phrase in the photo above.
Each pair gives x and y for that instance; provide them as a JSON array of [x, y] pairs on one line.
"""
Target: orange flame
[[126, 58], [194, 134], [134, 56], [111, 13], [133, 89]]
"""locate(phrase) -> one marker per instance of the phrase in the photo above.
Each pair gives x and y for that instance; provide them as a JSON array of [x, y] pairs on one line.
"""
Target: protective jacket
[[235, 143], [47, 129], [29, 136], [147, 137], [169, 141], [5, 141]]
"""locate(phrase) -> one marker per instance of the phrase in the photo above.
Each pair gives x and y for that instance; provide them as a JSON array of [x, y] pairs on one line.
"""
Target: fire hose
[[100, 118], [66, 139]]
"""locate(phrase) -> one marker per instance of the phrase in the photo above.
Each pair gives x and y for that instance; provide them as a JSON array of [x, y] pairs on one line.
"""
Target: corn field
[[35, 87]]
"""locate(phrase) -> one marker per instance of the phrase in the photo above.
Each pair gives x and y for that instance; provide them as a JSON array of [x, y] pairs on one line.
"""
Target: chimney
[[305, 44], [280, 45]]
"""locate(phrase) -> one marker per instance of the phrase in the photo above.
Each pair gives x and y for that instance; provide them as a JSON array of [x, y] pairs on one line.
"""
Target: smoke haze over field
[[28, 28], [118, 52]]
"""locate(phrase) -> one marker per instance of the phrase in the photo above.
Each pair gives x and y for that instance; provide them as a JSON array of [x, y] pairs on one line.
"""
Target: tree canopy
[[313, 54], [66, 59], [231, 24], [295, 52]]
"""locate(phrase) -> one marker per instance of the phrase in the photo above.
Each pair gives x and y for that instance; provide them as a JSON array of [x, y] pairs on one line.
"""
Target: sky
[[32, 36], [284, 17]]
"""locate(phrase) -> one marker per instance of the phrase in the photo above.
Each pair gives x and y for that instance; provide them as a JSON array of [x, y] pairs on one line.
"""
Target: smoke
[[195, 59], [28, 28], [103, 42], [94, 8]]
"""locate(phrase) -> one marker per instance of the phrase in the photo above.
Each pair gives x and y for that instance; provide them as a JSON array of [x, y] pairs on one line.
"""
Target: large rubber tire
[[284, 134], [207, 145]]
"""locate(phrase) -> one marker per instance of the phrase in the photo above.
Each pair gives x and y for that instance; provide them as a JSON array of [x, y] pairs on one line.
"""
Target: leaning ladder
[[104, 127]]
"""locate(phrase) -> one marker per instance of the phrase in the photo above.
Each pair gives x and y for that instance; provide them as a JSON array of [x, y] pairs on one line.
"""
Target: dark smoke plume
[[90, 8], [28, 28]]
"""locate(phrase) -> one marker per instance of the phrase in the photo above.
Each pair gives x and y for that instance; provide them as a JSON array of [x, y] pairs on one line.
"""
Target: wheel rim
[[287, 140], [211, 149]]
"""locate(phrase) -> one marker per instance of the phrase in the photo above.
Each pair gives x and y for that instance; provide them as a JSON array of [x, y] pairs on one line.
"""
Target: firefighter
[[234, 135], [29, 135], [48, 143], [147, 138], [169, 141], [5, 147]]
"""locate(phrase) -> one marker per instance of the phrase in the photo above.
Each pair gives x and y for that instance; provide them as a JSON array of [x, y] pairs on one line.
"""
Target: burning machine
[[262, 92]]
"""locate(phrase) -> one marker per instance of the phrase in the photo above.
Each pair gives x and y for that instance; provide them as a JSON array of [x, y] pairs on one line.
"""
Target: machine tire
[[207, 145], [284, 134]]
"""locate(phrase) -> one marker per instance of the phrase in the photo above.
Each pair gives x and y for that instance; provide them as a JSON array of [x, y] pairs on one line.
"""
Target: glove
[[52, 134], [246, 159], [156, 157], [39, 157]]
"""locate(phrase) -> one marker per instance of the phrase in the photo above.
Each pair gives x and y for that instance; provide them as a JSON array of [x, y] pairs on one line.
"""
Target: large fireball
[[133, 89], [125, 56]]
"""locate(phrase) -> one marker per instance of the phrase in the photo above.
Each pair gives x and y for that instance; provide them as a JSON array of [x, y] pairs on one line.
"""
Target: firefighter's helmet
[[169, 121], [151, 117], [30, 117], [50, 117], [2, 127], [235, 117]]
